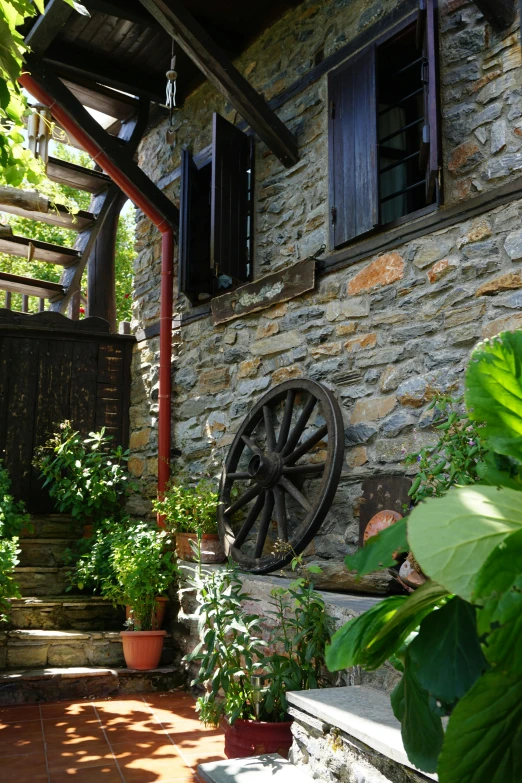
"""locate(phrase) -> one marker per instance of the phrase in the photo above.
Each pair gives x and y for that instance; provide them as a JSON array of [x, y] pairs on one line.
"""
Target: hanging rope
[[171, 95]]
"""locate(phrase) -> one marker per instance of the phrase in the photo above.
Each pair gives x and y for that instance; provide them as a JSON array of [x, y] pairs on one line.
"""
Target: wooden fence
[[52, 369]]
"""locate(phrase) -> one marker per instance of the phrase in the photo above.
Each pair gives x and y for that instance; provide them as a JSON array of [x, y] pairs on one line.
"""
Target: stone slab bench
[[270, 768], [349, 733]]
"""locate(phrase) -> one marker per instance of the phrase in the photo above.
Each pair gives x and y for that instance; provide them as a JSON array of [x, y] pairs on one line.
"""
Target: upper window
[[215, 237], [383, 135]]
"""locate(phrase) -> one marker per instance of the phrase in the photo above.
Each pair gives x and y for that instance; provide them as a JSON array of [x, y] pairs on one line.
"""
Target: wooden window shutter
[[427, 38], [353, 167], [194, 273], [231, 159]]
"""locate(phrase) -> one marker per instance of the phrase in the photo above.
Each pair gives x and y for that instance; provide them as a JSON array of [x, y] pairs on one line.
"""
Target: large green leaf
[[376, 635], [483, 742], [494, 392], [499, 592], [446, 657], [349, 644], [421, 728], [378, 551], [453, 536]]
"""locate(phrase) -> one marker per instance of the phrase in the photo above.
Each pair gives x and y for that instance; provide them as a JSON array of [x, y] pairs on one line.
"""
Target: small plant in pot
[[190, 512], [143, 570], [245, 676]]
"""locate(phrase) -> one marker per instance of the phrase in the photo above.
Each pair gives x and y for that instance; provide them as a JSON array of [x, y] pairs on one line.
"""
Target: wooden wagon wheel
[[281, 475]]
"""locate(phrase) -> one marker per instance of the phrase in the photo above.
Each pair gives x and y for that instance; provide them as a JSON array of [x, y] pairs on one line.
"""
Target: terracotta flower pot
[[157, 616], [252, 738], [211, 547], [142, 649]]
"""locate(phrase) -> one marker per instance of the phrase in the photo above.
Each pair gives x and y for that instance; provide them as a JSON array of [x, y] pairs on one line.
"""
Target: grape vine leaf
[[483, 742], [494, 392], [499, 594], [378, 552], [446, 657], [453, 536], [421, 728]]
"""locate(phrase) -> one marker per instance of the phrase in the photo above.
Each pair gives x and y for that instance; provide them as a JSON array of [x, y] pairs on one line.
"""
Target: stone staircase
[[59, 644]]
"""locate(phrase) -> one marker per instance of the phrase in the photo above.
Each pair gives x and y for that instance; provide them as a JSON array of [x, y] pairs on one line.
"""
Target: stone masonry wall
[[402, 324]]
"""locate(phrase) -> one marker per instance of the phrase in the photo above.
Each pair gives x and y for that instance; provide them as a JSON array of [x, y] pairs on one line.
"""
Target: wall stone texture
[[384, 334]]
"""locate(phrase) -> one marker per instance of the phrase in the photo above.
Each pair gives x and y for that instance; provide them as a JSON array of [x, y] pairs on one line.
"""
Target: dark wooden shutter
[[427, 37], [195, 274], [229, 254], [353, 174]]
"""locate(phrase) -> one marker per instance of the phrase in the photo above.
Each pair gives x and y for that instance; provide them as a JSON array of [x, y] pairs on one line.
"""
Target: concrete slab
[[256, 769], [361, 712]]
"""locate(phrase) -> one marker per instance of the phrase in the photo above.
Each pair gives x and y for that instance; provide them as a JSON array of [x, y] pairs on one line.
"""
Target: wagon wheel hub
[[266, 469], [281, 475]]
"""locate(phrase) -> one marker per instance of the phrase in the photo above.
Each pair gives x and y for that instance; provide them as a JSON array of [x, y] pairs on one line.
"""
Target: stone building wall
[[401, 324]]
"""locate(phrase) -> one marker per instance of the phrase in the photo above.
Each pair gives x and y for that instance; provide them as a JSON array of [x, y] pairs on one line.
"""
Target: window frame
[[408, 21]]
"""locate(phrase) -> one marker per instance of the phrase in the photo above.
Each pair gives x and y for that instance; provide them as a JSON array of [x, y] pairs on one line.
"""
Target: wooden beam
[[75, 176], [39, 251], [194, 40], [70, 62], [499, 13], [104, 99], [28, 287], [46, 28], [110, 145], [128, 11]]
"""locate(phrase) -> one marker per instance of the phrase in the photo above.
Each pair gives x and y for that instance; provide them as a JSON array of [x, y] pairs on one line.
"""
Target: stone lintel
[[363, 713]]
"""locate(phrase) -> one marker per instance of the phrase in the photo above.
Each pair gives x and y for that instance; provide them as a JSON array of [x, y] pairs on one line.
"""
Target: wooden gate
[[52, 369]]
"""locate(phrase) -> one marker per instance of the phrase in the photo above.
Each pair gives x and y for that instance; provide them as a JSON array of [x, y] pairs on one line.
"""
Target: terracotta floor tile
[[65, 724], [13, 768], [148, 731], [203, 758], [30, 728], [108, 773], [22, 745], [78, 757], [163, 763], [15, 714], [77, 740], [131, 707], [77, 708]]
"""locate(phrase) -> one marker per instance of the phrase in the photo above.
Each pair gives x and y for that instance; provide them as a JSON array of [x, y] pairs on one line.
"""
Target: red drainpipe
[[167, 245]]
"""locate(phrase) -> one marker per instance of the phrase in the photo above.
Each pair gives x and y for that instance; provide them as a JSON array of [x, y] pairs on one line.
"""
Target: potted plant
[[143, 570], [190, 512], [246, 685]]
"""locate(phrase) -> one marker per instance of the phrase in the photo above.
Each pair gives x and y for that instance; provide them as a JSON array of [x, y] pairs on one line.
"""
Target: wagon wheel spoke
[[269, 429], [294, 492], [301, 470], [280, 513], [287, 420], [265, 523], [249, 495], [251, 445], [307, 445], [300, 426], [250, 521]]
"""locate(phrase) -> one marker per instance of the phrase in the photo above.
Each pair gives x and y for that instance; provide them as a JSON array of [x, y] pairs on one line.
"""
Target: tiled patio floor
[[138, 739]]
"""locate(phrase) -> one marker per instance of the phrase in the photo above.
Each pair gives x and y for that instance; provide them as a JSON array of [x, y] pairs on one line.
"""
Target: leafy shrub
[[12, 519], [143, 569], [84, 476], [457, 640], [189, 509], [232, 649]]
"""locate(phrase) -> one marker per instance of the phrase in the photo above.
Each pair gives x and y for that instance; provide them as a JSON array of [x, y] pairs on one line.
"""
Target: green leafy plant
[[457, 457], [84, 476], [143, 569], [457, 640], [12, 520], [233, 649], [189, 509]]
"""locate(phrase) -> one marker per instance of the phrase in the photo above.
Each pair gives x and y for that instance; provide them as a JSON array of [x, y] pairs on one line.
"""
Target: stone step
[[53, 684], [53, 526], [256, 769], [65, 612], [40, 580], [46, 552], [37, 648]]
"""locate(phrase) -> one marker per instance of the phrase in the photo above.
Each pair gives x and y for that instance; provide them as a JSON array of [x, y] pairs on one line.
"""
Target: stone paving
[[139, 739]]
